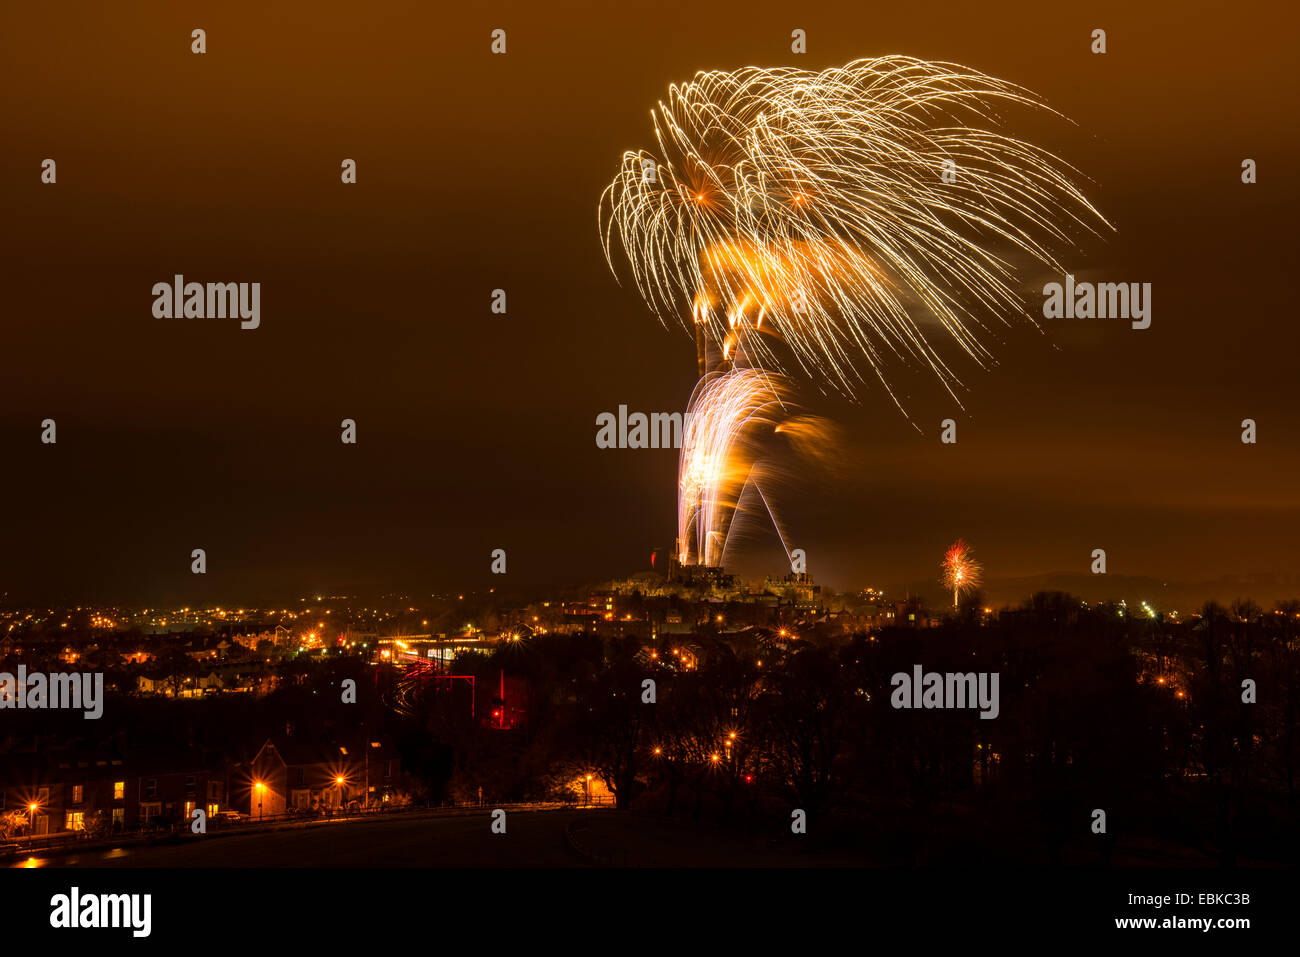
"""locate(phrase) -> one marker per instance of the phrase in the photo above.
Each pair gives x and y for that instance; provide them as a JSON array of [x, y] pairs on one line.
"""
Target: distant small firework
[[961, 573]]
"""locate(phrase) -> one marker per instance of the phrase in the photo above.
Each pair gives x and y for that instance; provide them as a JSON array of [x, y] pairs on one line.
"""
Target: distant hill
[[1264, 589]]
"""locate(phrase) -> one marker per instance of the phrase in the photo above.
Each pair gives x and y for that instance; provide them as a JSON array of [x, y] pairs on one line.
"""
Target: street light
[[260, 787]]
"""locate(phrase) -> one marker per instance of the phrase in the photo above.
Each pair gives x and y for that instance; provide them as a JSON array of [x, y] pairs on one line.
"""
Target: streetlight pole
[[345, 765]]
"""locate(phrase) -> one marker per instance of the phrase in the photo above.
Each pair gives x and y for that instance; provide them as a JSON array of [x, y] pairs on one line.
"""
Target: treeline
[[1182, 733]]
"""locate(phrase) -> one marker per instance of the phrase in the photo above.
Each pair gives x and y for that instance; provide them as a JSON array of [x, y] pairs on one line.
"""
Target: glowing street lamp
[[259, 787]]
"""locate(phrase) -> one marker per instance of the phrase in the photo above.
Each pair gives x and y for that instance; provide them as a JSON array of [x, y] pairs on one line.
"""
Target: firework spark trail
[[752, 482], [961, 573], [729, 412], [811, 210]]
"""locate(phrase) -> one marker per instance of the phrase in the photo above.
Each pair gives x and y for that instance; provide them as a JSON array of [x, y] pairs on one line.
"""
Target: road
[[534, 838]]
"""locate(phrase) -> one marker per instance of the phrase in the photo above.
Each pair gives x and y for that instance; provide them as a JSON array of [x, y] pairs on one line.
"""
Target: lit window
[[119, 790]]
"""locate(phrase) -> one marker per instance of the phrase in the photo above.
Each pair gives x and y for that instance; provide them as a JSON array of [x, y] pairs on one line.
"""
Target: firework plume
[[827, 224], [730, 413], [961, 573]]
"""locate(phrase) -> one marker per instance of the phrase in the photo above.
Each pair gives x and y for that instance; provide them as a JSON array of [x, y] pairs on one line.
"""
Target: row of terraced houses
[[103, 788]]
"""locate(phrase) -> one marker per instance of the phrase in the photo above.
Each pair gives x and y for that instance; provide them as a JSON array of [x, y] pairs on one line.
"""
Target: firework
[[961, 573], [802, 222], [729, 415]]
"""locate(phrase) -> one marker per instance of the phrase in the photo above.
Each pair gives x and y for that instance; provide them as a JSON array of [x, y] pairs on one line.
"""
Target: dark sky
[[478, 171]]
